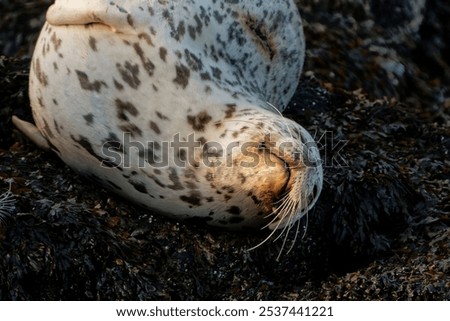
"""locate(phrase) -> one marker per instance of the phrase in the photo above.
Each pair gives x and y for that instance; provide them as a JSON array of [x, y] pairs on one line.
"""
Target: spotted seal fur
[[170, 103]]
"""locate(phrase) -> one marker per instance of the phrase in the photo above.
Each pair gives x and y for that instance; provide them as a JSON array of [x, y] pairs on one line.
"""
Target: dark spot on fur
[[199, 121], [147, 38], [163, 53], [228, 189], [155, 127], [217, 73], [56, 41], [112, 145], [210, 150], [231, 109], [85, 144], [156, 180], [93, 43], [161, 116], [125, 107], [191, 185], [182, 155], [118, 85], [132, 129], [130, 74], [197, 29], [85, 84], [47, 130], [190, 174], [147, 63], [130, 20], [193, 61], [202, 141], [41, 76], [183, 75], [156, 145], [234, 210], [209, 177], [173, 176], [205, 76], [139, 186], [256, 200], [194, 198], [218, 17], [181, 30], [89, 118], [56, 126]]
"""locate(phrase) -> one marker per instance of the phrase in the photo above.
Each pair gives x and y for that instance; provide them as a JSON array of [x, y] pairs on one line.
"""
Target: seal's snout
[[297, 198], [271, 180], [304, 181]]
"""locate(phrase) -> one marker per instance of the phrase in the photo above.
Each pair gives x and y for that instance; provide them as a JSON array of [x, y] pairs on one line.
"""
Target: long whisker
[[291, 208], [287, 207], [277, 212], [306, 224], [264, 241], [297, 230], [298, 227]]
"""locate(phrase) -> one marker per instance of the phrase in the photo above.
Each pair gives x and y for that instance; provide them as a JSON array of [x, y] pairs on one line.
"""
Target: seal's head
[[273, 163]]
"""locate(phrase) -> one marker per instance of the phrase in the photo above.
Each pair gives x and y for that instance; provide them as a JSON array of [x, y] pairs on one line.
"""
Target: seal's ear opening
[[261, 35]]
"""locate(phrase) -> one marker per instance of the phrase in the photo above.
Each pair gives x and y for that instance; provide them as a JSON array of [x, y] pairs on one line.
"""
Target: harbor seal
[[176, 105]]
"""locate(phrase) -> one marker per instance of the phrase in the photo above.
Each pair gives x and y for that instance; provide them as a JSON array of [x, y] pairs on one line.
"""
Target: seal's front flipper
[[32, 132]]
